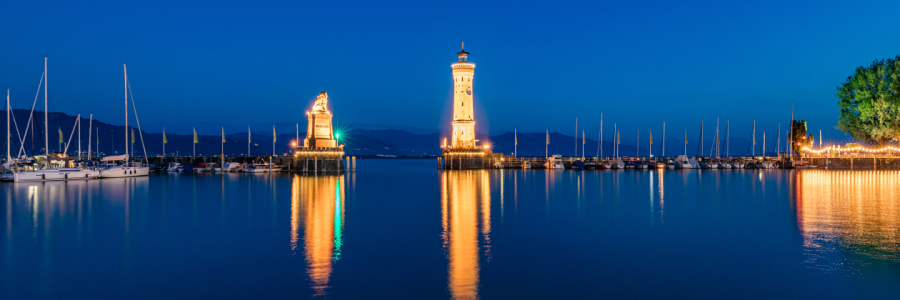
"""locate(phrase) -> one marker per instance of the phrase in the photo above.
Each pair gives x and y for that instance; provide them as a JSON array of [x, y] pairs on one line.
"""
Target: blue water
[[401, 229]]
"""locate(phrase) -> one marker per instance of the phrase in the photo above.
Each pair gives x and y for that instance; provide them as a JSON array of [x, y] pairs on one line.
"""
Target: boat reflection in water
[[317, 208], [465, 204], [849, 219]]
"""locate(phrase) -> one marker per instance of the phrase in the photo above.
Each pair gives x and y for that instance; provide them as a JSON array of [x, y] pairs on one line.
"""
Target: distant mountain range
[[358, 142]]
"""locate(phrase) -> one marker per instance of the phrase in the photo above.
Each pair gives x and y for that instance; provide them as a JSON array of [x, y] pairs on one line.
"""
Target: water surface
[[401, 229]]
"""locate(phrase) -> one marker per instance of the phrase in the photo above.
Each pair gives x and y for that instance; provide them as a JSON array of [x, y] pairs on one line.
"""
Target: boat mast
[[125, 70], [664, 141], [90, 132], [600, 142], [753, 144], [791, 137], [727, 136], [8, 155], [46, 126], [79, 137], [717, 138]]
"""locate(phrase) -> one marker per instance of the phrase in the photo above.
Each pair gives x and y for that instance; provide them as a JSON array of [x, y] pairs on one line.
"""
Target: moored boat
[[554, 162], [255, 168], [232, 167], [682, 162], [56, 174], [124, 170], [617, 164]]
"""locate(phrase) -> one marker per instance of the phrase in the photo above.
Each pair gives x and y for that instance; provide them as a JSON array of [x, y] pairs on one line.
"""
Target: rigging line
[[18, 134], [140, 132], [77, 119], [30, 117]]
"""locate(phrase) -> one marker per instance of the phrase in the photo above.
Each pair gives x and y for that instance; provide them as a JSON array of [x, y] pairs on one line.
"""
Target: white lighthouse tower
[[462, 152], [463, 111]]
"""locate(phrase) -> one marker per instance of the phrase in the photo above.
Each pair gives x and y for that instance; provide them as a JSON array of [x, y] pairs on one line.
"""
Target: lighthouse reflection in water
[[466, 221], [317, 223]]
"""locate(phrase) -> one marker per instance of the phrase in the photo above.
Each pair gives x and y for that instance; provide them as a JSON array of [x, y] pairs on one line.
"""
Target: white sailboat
[[56, 173], [126, 169]]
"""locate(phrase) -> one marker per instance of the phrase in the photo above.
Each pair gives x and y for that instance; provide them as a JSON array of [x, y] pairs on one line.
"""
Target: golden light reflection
[[317, 208], [848, 219], [662, 195], [465, 202]]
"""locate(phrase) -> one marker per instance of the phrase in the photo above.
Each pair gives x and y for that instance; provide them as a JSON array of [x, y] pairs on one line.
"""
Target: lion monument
[[321, 102]]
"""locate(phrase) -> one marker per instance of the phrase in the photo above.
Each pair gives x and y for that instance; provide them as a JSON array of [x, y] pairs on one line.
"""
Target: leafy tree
[[799, 138], [870, 102]]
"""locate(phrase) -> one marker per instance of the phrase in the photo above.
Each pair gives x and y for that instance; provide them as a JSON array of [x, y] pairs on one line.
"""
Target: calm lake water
[[401, 229]]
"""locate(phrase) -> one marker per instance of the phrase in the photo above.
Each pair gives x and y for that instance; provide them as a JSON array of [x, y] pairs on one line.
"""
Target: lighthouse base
[[466, 159]]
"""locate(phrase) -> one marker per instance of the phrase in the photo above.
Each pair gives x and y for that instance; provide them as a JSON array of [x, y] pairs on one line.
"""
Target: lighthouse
[[463, 111], [462, 152]]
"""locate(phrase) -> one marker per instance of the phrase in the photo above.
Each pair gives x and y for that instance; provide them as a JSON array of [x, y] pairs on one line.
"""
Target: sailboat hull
[[56, 174], [120, 172]]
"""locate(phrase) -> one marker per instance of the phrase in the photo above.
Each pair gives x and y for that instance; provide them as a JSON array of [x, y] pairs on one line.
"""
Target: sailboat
[[126, 169], [63, 173]]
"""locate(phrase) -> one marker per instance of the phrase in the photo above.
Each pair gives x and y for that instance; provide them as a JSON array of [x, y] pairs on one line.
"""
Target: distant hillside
[[358, 142]]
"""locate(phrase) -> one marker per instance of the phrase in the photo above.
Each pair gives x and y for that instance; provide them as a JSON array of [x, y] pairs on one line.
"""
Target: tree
[[799, 138], [869, 102]]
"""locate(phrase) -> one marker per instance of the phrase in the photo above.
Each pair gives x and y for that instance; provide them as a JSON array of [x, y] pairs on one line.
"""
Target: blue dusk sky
[[386, 64]]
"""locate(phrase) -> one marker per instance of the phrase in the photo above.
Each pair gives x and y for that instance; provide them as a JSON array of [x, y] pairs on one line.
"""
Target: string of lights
[[847, 149]]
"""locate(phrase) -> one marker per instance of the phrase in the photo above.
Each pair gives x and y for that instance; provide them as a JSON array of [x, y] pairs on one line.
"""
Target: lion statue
[[321, 102]]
